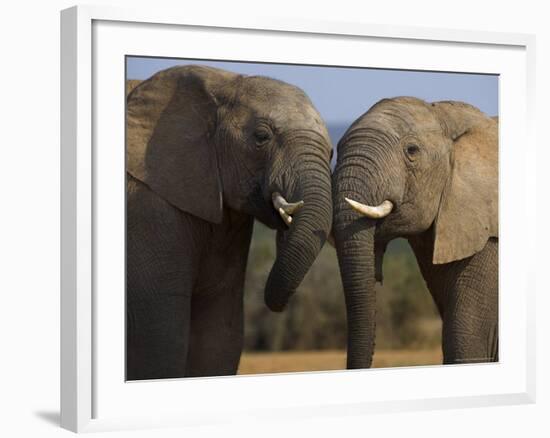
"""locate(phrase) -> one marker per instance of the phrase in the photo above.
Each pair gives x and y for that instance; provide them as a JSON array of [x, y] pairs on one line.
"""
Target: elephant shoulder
[[144, 203], [146, 208]]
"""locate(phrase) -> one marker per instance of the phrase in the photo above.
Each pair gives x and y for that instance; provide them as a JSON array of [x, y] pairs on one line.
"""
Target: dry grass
[[261, 363]]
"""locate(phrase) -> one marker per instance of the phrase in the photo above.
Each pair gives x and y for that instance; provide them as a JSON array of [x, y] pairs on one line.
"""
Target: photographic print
[[287, 218]]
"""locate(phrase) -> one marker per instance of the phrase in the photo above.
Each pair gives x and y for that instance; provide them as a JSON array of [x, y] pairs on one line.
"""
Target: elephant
[[426, 172], [208, 151]]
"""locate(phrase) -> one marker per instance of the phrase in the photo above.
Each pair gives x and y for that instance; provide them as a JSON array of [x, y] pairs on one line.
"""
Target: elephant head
[[408, 167], [210, 141]]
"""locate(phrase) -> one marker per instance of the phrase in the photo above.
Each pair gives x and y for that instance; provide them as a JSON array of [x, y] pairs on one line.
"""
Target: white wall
[[29, 219]]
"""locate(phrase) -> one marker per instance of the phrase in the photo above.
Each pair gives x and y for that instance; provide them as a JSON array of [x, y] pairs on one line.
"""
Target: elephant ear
[[468, 212], [170, 119], [130, 85]]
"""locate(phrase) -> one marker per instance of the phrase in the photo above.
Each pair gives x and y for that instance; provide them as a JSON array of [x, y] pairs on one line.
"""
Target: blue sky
[[342, 94]]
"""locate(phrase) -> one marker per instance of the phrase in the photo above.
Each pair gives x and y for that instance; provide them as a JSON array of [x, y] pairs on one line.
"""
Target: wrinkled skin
[[438, 165], [206, 149]]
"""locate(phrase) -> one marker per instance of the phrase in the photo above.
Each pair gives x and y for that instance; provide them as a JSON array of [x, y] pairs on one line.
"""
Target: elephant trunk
[[299, 245], [354, 240], [361, 175]]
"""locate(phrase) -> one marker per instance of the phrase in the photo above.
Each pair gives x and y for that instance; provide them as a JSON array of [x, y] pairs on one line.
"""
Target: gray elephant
[[427, 172], [207, 152]]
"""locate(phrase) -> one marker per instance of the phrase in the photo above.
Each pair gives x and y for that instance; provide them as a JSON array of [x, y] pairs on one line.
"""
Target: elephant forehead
[[401, 116], [262, 87], [295, 116], [266, 94], [287, 106]]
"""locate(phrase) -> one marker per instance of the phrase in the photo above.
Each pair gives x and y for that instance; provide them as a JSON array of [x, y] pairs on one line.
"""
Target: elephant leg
[[470, 322], [217, 321], [467, 347], [157, 338], [217, 330], [159, 285]]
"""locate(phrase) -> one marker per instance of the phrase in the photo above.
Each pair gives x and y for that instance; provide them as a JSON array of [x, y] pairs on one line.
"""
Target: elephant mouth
[[262, 210]]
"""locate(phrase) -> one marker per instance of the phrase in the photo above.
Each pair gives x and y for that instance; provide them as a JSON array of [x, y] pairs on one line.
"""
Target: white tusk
[[286, 217], [288, 207], [285, 209], [293, 207], [378, 212]]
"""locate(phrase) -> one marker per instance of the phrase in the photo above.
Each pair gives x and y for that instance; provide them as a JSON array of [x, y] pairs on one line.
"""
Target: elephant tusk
[[286, 217], [378, 212], [285, 209], [288, 207]]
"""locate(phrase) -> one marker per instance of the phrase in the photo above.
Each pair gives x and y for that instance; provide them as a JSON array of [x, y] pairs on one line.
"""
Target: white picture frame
[[93, 396]]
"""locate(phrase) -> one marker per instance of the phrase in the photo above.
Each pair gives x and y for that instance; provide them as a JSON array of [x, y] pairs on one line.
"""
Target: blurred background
[[311, 334]]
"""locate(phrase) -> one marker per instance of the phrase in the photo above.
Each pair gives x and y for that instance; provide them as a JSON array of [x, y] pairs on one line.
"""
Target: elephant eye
[[412, 150], [262, 136]]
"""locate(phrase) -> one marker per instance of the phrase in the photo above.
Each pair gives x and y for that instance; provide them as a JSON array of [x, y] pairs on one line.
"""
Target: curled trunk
[[298, 247]]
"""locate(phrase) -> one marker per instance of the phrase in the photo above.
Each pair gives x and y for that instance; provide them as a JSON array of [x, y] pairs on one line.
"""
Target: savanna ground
[[310, 335], [325, 360]]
